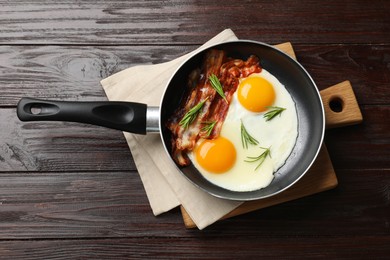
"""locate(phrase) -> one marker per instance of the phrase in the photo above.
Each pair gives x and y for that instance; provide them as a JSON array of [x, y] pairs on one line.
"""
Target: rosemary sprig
[[217, 86], [190, 116], [246, 138], [208, 128], [261, 158], [273, 112]]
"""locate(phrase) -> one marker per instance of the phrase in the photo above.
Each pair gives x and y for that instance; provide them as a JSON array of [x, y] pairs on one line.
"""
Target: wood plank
[[69, 73], [61, 146], [187, 22], [74, 72], [113, 204], [365, 66], [197, 248], [362, 146], [68, 205]]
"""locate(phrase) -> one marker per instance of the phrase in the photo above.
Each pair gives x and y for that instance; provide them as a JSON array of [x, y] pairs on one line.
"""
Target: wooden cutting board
[[341, 109]]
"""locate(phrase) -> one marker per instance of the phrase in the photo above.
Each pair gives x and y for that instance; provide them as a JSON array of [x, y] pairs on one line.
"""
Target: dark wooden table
[[71, 191]]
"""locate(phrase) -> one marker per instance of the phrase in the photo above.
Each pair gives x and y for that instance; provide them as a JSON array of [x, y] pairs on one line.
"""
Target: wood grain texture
[[69, 205], [192, 22], [71, 191], [340, 105], [370, 140], [54, 146], [145, 248], [366, 66], [90, 205], [69, 73], [74, 72]]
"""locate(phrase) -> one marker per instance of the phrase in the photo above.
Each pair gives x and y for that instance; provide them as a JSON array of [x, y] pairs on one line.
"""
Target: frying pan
[[138, 118]]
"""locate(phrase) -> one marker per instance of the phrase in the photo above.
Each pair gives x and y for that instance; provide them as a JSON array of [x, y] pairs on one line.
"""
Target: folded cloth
[[165, 186]]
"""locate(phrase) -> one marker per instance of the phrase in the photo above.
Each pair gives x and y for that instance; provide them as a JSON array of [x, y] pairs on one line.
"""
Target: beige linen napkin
[[165, 187]]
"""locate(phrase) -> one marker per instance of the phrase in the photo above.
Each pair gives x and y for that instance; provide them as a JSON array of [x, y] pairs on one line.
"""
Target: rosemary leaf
[[190, 116], [208, 128], [217, 86], [246, 138], [273, 112], [261, 158]]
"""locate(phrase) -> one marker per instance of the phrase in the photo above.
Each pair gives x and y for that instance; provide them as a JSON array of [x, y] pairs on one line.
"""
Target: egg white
[[278, 134]]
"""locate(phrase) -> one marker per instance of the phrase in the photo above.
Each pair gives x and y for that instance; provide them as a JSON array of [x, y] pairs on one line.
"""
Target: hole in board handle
[[336, 104]]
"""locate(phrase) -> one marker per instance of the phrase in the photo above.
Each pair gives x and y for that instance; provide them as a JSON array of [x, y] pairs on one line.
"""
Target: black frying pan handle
[[125, 116]]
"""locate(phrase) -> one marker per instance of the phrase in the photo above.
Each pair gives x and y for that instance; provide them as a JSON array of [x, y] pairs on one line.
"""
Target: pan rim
[[237, 195]]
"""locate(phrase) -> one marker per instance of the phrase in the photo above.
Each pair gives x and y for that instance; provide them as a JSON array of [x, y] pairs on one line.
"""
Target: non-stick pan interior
[[304, 93]]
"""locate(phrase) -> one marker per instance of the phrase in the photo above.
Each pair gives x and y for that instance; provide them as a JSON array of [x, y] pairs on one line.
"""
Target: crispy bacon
[[215, 107], [229, 76], [187, 137]]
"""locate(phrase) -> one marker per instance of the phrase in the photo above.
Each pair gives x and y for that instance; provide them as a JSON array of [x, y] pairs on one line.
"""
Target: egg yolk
[[216, 156], [255, 94]]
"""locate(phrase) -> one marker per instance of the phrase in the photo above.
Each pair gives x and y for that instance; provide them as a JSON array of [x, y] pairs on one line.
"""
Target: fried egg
[[226, 161]]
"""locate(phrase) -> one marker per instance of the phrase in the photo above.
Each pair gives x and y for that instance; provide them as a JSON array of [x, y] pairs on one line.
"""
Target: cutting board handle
[[340, 104]]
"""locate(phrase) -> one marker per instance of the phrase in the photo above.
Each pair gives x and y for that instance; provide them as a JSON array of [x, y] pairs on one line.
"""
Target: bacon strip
[[190, 135], [215, 108], [229, 76], [184, 139]]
